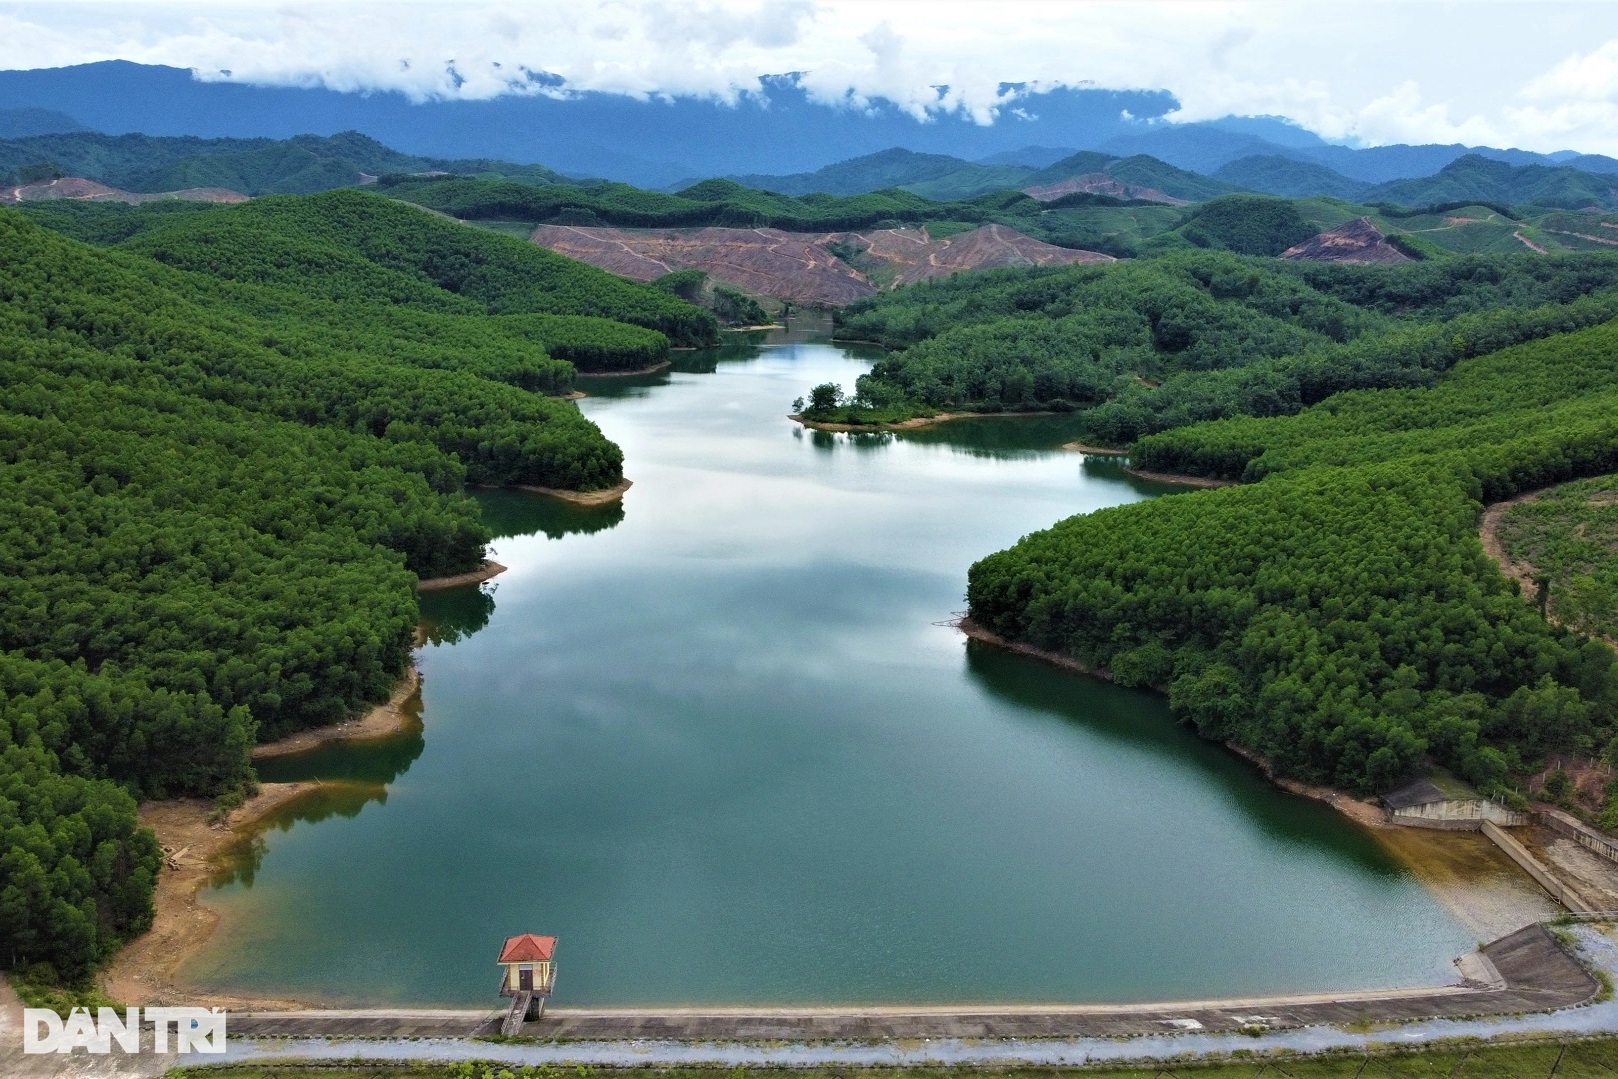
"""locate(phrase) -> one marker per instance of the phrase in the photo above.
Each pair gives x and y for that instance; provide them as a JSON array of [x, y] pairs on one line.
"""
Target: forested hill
[[1156, 343], [227, 451], [352, 243], [300, 165], [1340, 617]]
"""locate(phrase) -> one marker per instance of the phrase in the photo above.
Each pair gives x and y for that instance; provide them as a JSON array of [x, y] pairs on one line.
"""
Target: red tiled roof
[[528, 948]]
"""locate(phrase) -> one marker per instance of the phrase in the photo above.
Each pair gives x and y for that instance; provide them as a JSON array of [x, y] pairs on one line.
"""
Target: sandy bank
[[580, 498], [196, 845], [912, 423], [385, 719], [143, 972], [652, 370], [1179, 479], [477, 576], [988, 636], [1094, 451]]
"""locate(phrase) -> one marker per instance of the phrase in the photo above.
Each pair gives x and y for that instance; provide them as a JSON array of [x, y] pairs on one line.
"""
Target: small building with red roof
[[528, 962]]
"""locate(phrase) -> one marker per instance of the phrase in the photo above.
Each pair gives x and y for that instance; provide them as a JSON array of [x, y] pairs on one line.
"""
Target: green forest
[[1158, 343], [303, 164], [232, 441], [1337, 613]]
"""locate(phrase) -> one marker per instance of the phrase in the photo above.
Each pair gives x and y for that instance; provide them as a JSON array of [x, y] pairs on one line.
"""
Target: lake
[[723, 742]]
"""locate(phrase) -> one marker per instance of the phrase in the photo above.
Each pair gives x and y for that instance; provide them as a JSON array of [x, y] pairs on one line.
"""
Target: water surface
[[722, 741]]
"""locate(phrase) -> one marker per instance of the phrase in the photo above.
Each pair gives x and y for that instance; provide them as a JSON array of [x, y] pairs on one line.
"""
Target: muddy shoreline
[[652, 370], [382, 721], [490, 568], [143, 972], [910, 424], [1179, 479], [580, 498]]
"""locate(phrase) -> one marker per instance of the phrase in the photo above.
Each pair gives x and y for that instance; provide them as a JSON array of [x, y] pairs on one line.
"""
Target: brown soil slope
[[1099, 183], [80, 189], [800, 266], [1357, 241], [792, 266]]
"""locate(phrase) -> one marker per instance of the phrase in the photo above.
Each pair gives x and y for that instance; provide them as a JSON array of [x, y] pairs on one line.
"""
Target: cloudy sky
[[1538, 75]]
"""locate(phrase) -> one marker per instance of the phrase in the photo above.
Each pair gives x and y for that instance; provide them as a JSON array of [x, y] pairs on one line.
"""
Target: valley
[[407, 542]]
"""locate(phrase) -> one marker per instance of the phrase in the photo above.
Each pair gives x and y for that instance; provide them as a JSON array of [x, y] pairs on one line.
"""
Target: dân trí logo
[[194, 1030]]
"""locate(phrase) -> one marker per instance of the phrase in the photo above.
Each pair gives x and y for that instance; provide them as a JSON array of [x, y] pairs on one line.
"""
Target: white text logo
[[194, 1030]]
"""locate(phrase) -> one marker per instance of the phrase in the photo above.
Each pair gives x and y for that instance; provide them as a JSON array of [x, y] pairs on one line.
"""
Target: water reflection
[[1000, 438], [454, 614], [1140, 719], [372, 761], [335, 798], [523, 513]]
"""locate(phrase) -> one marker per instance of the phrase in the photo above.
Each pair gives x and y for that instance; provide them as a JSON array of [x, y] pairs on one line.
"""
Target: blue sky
[[1538, 75]]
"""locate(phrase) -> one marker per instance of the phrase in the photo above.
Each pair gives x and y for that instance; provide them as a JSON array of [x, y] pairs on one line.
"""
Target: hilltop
[[302, 164]]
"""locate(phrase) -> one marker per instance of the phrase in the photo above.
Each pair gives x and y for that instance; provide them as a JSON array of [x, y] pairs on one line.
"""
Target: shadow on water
[[523, 513], [374, 762], [454, 614], [341, 798], [1002, 438], [1141, 718]]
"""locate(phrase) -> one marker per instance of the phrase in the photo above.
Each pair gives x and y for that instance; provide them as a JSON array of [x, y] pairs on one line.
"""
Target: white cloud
[[1538, 75]]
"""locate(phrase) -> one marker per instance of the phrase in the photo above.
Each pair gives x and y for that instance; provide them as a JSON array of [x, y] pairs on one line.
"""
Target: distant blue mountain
[[659, 142], [20, 123], [645, 142], [1034, 157]]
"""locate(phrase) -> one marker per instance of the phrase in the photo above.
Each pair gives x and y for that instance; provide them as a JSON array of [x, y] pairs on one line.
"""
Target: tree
[[825, 397]]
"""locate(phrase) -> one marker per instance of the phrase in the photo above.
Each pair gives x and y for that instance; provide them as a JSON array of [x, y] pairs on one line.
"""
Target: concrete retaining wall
[[1560, 891], [1577, 830], [1462, 814]]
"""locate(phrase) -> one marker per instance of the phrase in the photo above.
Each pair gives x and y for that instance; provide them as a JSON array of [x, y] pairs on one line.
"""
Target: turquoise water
[[722, 741]]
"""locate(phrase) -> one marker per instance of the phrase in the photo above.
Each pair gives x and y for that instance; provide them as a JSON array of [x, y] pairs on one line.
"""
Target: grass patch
[[39, 987]]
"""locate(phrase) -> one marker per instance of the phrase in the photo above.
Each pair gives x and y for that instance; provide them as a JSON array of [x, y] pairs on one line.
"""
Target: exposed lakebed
[[723, 742]]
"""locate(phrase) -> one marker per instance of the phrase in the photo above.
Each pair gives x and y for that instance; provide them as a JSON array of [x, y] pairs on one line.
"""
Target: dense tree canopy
[[1162, 342], [1340, 617], [228, 448]]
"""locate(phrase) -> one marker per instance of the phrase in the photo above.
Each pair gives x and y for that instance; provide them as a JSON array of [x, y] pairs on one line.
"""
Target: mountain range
[[1468, 178], [660, 142], [302, 164]]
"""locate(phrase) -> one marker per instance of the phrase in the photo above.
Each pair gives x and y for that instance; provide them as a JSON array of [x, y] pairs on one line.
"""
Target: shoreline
[[143, 972], [912, 423], [1179, 479], [489, 569], [145, 969], [980, 632], [382, 721], [1094, 451], [580, 498], [652, 370], [1466, 874], [1356, 809]]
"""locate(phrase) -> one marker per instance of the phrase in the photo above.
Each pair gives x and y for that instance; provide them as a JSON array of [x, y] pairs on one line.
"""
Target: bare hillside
[[805, 268]]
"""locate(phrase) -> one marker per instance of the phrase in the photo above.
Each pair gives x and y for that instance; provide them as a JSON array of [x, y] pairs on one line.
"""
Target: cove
[[722, 741]]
